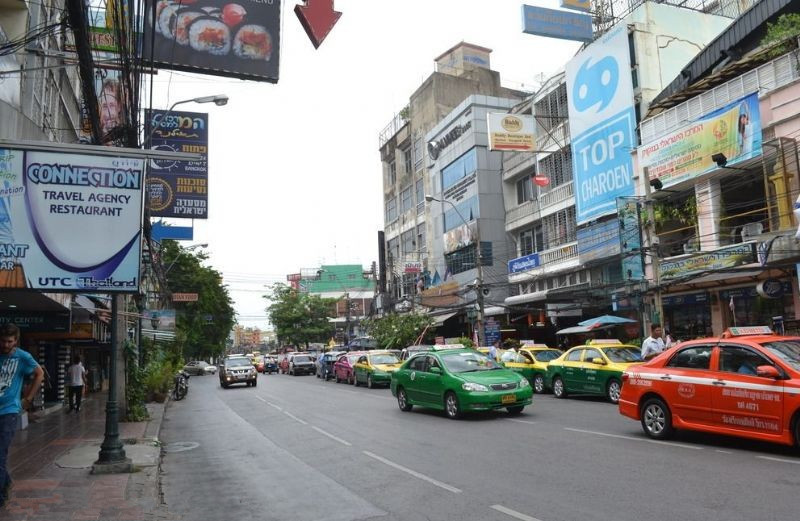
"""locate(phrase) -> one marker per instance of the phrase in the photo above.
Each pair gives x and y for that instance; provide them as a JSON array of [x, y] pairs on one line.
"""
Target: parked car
[[268, 365], [199, 368], [300, 364], [362, 343], [343, 367], [324, 364], [237, 370], [531, 362], [375, 368], [409, 351]]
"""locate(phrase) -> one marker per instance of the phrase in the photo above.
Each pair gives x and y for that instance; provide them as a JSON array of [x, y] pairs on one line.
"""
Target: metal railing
[[391, 129], [560, 253], [521, 215], [557, 195]]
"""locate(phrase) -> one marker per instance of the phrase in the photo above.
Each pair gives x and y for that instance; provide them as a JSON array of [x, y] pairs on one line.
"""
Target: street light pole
[[218, 100], [655, 259], [478, 267]]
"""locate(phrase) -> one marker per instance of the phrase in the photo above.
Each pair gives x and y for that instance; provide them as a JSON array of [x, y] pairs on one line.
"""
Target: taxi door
[[519, 363], [573, 374], [686, 383], [415, 379], [360, 369], [742, 400], [591, 374], [431, 386]]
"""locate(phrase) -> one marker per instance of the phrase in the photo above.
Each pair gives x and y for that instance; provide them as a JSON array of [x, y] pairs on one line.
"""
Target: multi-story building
[[246, 337], [353, 289], [567, 262], [461, 71]]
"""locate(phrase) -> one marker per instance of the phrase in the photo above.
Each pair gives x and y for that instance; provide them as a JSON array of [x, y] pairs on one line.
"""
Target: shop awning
[[536, 296], [493, 311], [716, 277], [440, 319], [574, 329]]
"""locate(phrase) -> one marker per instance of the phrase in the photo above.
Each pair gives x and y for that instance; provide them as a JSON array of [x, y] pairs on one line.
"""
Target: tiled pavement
[[44, 491]]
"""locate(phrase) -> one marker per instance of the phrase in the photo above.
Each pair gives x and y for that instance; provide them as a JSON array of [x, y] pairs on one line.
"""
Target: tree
[[395, 331], [779, 34], [202, 327], [299, 318]]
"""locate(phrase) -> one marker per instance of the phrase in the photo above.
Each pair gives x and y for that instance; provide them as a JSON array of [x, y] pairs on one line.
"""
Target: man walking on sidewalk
[[77, 378], [15, 366]]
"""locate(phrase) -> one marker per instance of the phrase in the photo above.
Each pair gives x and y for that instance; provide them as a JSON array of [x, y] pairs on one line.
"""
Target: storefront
[[760, 304], [688, 315]]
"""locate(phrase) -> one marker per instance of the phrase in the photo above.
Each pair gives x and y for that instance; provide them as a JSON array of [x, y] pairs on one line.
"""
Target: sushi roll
[[164, 21], [216, 12], [252, 42], [182, 20], [211, 35]]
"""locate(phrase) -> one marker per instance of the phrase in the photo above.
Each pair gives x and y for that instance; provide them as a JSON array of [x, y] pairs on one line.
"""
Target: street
[[298, 448]]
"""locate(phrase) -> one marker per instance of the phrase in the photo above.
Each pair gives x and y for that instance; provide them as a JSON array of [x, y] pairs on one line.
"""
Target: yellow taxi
[[375, 368], [531, 361], [485, 351]]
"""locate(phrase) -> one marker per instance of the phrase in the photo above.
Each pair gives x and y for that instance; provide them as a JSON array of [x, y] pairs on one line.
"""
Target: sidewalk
[[50, 464]]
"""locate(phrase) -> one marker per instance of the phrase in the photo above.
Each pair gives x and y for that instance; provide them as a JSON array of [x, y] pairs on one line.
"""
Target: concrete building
[[463, 70]]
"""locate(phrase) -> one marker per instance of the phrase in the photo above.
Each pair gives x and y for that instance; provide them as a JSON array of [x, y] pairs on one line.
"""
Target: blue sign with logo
[[528, 262], [553, 23], [491, 331], [602, 124], [685, 300]]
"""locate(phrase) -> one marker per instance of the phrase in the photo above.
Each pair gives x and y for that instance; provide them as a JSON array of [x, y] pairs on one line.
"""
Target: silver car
[[200, 368]]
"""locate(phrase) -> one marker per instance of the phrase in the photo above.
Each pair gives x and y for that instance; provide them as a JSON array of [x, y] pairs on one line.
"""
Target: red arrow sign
[[317, 18]]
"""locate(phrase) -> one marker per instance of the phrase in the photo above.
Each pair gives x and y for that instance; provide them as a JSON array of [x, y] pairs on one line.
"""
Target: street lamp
[[217, 99], [478, 266], [187, 248]]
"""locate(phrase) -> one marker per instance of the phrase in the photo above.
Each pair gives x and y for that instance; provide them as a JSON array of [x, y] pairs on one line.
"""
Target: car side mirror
[[768, 371], [436, 370], [598, 361]]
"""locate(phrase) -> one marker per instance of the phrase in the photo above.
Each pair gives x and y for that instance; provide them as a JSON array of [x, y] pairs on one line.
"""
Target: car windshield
[[353, 358], [623, 355], [384, 359], [467, 362], [301, 359], [237, 362], [546, 356], [786, 350]]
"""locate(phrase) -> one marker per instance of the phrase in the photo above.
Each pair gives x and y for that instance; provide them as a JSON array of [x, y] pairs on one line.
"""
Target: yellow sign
[[511, 132]]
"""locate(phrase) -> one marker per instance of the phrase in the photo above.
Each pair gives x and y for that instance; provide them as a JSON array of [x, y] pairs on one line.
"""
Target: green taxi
[[458, 381], [531, 362], [595, 368], [375, 368]]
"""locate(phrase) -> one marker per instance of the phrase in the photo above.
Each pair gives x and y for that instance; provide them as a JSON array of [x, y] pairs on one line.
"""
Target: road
[[298, 448]]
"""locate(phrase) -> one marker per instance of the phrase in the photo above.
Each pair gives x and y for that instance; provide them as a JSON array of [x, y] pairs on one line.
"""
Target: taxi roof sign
[[747, 330], [442, 347], [534, 346], [603, 341]]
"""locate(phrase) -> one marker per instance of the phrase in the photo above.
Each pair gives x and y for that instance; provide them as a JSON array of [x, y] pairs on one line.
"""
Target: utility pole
[[652, 244], [347, 318]]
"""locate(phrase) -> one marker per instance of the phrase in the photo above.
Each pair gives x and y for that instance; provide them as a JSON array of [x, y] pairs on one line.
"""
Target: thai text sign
[[412, 267], [511, 132], [552, 23], [524, 263], [727, 257], [178, 188], [734, 130], [602, 124], [70, 222], [185, 297]]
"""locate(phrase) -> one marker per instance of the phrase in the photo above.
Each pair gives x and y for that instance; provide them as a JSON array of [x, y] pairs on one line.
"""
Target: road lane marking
[[331, 436], [619, 436], [724, 451], [414, 473], [521, 421], [780, 460], [295, 418], [274, 406], [514, 513], [260, 398]]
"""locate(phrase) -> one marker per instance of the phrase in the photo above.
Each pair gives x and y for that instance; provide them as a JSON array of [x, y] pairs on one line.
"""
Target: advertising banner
[[630, 237], [553, 23], [215, 37], [178, 188], [727, 257], [734, 130], [159, 319], [602, 124], [41, 322], [412, 267], [511, 132], [70, 222], [598, 241], [524, 263], [459, 237], [491, 331]]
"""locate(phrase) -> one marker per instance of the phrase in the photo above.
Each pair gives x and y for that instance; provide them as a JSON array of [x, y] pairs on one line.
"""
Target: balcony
[[562, 257], [556, 198], [516, 162], [557, 138], [390, 130], [522, 215]]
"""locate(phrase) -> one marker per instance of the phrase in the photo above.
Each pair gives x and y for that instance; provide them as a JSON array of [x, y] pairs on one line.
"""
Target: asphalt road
[[298, 448]]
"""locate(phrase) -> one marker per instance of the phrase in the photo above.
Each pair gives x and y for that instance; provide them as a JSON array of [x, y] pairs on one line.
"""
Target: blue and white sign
[[598, 241], [528, 262], [553, 23], [602, 124]]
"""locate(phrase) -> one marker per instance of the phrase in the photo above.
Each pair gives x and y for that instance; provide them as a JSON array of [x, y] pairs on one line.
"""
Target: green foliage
[[666, 211], [511, 343], [405, 113], [399, 331], [135, 390], [158, 376], [786, 27], [202, 327], [465, 341], [299, 318]]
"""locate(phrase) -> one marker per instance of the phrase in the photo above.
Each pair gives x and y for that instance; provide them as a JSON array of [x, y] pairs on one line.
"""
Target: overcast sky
[[295, 174]]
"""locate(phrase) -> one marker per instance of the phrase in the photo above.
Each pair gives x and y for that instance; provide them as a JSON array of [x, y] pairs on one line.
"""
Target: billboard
[[727, 257], [602, 124], [511, 132], [460, 237], [178, 188], [629, 218], [552, 23], [215, 37], [598, 241], [733, 130], [70, 222], [159, 319]]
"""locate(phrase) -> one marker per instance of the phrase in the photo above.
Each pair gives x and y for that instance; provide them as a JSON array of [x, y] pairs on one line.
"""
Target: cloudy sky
[[294, 174]]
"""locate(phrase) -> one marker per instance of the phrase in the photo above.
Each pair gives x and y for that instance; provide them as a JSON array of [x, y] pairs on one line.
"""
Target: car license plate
[[508, 398]]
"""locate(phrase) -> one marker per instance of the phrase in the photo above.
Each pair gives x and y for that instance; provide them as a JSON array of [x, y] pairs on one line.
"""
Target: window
[[393, 248], [407, 241], [463, 259], [407, 160], [421, 237], [420, 189], [737, 359], [392, 173], [391, 210], [406, 200], [558, 167], [696, 357], [418, 363], [459, 169], [419, 152], [468, 209], [591, 354], [560, 227], [525, 191], [531, 241], [574, 356], [552, 107]]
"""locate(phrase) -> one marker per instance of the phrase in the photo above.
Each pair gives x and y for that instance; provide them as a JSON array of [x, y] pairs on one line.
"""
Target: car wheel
[[515, 410], [370, 385], [338, 380], [538, 384], [255, 382], [451, 407], [292, 373], [613, 390], [656, 419], [559, 391], [355, 380], [402, 400]]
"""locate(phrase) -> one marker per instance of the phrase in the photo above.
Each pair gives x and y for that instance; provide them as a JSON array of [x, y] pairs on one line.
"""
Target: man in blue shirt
[[15, 366]]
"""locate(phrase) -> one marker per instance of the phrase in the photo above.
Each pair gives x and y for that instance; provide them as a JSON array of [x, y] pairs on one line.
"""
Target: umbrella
[[605, 320]]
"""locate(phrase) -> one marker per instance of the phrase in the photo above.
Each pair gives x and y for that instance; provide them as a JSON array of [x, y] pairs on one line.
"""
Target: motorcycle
[[181, 388]]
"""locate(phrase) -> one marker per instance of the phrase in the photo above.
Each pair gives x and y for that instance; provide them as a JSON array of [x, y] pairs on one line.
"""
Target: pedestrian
[[493, 350], [77, 378], [15, 366], [654, 344]]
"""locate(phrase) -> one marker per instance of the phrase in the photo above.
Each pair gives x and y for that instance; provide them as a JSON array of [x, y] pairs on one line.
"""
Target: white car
[[200, 368]]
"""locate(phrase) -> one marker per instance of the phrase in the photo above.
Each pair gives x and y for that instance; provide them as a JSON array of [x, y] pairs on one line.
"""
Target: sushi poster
[[70, 222], [238, 39], [178, 188]]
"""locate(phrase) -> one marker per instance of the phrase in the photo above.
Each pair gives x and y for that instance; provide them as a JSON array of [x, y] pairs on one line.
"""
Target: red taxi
[[745, 383]]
